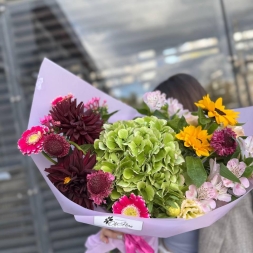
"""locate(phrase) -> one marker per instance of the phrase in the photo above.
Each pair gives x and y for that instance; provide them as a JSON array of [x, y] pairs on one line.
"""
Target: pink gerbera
[[224, 141], [132, 206], [31, 141], [56, 145], [99, 185]]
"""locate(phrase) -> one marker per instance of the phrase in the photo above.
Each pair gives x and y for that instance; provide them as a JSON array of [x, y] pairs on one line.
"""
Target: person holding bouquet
[[237, 225]]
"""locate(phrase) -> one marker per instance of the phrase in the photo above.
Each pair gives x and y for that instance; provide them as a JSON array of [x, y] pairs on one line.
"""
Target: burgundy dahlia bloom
[[224, 141], [69, 176], [99, 186], [56, 145], [82, 127]]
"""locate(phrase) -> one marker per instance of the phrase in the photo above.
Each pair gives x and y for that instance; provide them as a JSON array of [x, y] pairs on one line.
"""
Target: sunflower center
[[131, 210], [220, 112], [33, 138], [66, 180]]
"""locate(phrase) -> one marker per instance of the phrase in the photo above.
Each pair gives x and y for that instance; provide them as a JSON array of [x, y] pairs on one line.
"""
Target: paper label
[[117, 222]]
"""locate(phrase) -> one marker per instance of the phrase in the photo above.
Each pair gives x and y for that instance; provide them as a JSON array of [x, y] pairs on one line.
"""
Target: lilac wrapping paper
[[54, 81]]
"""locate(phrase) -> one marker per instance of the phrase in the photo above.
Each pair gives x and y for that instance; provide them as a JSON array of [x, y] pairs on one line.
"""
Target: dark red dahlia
[[224, 141], [56, 145], [80, 126], [69, 176]]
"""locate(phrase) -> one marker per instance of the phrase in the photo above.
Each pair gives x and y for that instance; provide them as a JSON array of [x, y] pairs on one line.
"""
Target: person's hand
[[105, 234]]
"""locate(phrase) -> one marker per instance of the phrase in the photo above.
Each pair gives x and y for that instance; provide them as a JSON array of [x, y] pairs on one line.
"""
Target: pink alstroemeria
[[205, 196], [215, 178], [174, 107], [237, 168], [246, 146], [154, 100]]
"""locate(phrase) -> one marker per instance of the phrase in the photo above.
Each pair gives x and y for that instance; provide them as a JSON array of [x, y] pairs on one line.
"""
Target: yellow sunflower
[[196, 138], [217, 110]]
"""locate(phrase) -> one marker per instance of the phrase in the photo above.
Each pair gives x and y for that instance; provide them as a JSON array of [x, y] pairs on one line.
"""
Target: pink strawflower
[[132, 206], [224, 141], [154, 100], [60, 99], [31, 141], [205, 195], [99, 185], [46, 120], [215, 178], [237, 168], [174, 107], [56, 145]]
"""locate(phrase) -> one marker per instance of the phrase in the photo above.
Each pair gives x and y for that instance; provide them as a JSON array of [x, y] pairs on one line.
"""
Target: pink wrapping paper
[[55, 81]]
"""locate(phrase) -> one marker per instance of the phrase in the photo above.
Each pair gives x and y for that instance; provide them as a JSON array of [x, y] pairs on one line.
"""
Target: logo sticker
[[117, 222]]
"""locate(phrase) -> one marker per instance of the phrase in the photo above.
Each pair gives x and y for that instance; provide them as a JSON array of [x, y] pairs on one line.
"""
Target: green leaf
[[105, 117], [248, 161], [150, 192], [225, 172], [181, 123], [196, 170], [173, 123], [159, 115], [143, 111], [239, 124], [212, 128], [203, 120], [248, 171]]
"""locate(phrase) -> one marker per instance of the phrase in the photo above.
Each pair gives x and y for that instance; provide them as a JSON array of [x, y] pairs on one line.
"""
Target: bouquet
[[161, 167]]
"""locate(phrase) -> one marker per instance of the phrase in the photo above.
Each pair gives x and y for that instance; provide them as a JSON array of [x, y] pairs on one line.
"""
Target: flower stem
[[74, 144], [49, 158]]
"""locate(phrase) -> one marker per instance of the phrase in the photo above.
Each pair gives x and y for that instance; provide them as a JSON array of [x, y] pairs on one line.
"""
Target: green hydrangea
[[145, 158]]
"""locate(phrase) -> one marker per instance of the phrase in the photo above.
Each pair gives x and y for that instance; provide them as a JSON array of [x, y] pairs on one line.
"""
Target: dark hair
[[185, 88]]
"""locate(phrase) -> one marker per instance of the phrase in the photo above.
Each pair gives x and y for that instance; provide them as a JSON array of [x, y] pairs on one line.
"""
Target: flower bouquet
[[158, 171]]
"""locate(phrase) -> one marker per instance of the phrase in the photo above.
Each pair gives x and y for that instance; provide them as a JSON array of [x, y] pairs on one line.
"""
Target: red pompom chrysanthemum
[[31, 141], [99, 186], [56, 145], [224, 141], [132, 206]]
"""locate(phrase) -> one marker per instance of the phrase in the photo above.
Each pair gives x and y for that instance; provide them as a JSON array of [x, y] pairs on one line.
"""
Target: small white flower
[[154, 100], [174, 107]]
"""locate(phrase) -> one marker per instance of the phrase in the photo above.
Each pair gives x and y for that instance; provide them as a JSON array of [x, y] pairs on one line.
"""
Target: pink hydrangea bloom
[[99, 185], [131, 206], [31, 141], [154, 100], [246, 146], [205, 195], [215, 178], [237, 168], [174, 107]]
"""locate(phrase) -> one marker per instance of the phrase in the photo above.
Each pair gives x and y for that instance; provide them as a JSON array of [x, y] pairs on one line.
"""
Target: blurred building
[[125, 49]]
